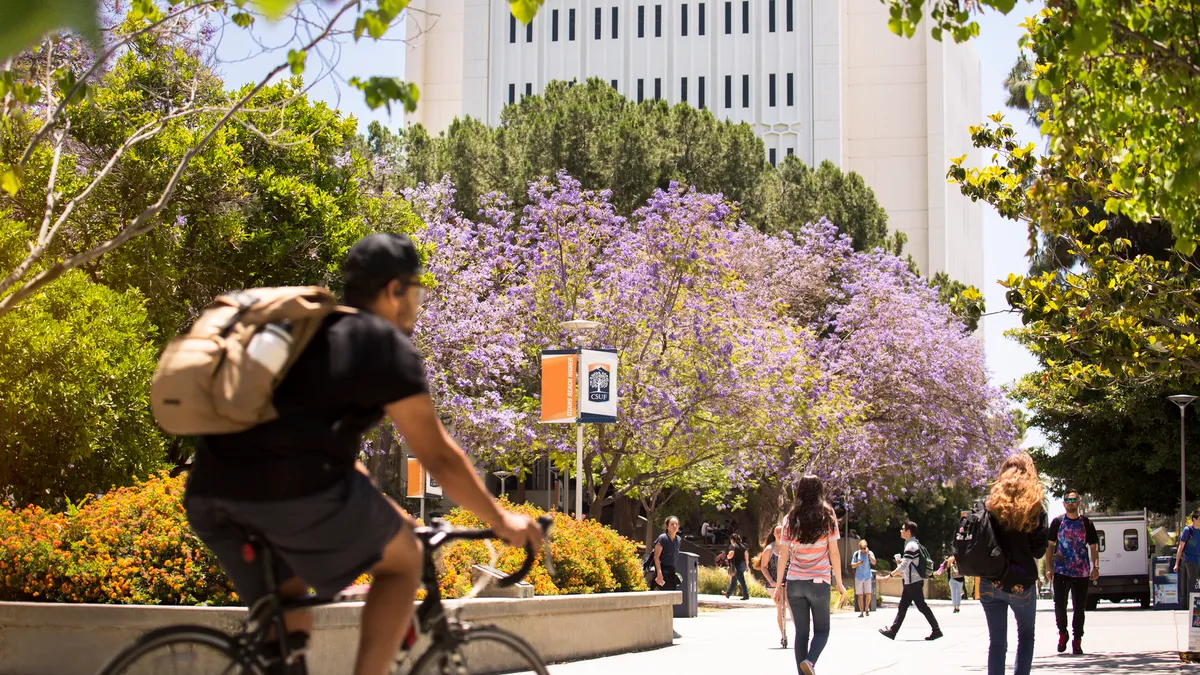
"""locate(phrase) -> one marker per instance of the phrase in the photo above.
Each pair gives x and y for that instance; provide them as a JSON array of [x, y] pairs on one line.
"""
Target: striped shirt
[[809, 561]]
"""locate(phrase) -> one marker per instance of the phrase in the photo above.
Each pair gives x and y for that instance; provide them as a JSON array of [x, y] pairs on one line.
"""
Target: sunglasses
[[1071, 500]]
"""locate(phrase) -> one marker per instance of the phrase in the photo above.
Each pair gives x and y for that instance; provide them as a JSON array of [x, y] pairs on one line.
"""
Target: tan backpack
[[207, 384]]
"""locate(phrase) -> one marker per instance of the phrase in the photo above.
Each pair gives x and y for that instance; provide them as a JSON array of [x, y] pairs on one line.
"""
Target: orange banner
[[416, 479], [560, 386]]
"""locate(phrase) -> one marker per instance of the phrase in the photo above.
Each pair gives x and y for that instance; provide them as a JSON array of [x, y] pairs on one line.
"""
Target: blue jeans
[[995, 607], [956, 592], [805, 597], [739, 577]]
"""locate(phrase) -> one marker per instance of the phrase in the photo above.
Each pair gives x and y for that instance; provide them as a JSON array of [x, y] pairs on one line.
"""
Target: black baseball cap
[[374, 262]]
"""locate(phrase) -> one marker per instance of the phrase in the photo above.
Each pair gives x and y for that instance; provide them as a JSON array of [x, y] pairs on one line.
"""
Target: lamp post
[[578, 327], [1182, 400], [503, 476]]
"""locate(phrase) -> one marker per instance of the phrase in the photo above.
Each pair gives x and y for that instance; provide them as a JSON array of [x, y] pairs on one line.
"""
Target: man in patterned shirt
[[1073, 543]]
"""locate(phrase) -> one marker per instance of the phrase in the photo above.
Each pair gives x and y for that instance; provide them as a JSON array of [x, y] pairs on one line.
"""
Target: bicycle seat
[[253, 537]]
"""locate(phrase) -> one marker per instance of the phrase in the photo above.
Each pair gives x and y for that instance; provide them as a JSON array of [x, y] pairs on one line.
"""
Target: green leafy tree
[[74, 393]]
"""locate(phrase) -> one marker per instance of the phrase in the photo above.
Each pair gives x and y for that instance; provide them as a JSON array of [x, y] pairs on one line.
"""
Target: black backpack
[[924, 561], [977, 547]]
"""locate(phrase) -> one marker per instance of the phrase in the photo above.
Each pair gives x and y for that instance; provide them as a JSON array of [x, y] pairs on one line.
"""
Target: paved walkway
[[738, 641]]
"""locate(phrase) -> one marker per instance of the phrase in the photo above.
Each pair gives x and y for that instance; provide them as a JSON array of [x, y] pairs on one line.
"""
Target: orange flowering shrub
[[588, 557], [131, 546]]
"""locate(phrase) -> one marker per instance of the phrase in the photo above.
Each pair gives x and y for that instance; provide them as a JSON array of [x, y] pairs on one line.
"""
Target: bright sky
[[1005, 241]]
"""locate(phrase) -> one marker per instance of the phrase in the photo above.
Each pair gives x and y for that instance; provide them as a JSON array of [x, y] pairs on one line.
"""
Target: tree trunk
[[520, 492]]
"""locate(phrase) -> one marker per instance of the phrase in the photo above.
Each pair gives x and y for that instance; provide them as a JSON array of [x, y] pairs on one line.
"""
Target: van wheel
[[1145, 600]]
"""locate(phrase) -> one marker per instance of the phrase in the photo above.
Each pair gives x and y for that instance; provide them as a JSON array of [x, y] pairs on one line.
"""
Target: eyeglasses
[[1070, 500]]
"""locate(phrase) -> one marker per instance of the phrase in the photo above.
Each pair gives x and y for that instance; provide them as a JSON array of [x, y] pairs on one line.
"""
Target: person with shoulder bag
[[1015, 502], [738, 559], [768, 564]]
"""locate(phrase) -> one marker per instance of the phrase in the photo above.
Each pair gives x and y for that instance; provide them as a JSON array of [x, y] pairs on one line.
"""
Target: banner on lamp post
[[416, 479], [598, 400], [560, 387]]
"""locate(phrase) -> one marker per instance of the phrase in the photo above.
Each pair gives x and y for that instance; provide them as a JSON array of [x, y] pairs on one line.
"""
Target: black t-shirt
[[739, 554], [670, 549], [334, 393]]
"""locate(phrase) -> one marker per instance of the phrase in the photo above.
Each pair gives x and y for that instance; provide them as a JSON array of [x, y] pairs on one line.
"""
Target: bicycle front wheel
[[176, 650], [483, 649]]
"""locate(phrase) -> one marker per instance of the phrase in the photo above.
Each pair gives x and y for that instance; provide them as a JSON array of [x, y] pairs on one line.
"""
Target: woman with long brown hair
[[1016, 502], [810, 555]]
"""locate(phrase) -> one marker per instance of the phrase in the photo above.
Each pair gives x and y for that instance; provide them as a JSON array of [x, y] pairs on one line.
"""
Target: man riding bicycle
[[297, 482]]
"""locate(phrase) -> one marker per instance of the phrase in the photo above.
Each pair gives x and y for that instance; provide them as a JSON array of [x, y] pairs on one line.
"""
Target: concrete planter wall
[[56, 639]]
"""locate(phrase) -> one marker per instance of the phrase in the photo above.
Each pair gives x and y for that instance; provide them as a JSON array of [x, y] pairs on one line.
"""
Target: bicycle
[[263, 643]]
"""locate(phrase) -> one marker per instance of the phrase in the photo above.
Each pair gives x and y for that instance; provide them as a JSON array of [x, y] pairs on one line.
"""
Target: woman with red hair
[[1016, 503]]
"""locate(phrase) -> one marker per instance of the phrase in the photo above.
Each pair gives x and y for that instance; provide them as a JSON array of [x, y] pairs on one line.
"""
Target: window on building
[[599, 14], [771, 16], [788, 15], [771, 90], [615, 21], [791, 151], [745, 91], [613, 83], [512, 29], [554, 26], [641, 21], [641, 90], [728, 18], [658, 89], [700, 92], [658, 21], [529, 31], [683, 19], [512, 94], [529, 89], [571, 24], [745, 16], [1103, 543], [700, 19], [771, 156], [728, 91], [791, 89], [683, 89]]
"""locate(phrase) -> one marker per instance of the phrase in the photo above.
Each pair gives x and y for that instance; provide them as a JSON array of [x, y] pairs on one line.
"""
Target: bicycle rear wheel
[[483, 649], [176, 650]]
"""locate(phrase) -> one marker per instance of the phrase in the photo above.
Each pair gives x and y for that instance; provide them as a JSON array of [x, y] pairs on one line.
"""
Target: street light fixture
[[1182, 400], [503, 476], [578, 327]]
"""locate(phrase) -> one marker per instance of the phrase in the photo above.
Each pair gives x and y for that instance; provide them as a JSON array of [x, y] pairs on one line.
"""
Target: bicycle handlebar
[[439, 533]]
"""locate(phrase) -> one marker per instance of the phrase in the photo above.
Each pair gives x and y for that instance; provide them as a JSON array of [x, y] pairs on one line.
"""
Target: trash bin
[[688, 567], [1166, 583]]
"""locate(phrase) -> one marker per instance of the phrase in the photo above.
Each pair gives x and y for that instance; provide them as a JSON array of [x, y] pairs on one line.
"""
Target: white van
[[1124, 558]]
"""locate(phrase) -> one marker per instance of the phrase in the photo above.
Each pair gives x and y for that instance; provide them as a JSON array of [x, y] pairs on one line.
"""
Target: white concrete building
[[824, 79]]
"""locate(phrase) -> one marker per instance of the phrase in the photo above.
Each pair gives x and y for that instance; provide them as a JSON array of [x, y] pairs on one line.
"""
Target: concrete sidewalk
[[1118, 640]]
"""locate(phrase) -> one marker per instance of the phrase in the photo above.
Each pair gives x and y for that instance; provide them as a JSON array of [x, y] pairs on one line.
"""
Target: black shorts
[[327, 539]]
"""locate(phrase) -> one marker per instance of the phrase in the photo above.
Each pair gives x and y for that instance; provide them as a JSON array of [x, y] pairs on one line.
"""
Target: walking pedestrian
[[1015, 502], [768, 564], [912, 572], [1189, 554], [809, 536], [666, 550], [862, 561], [1073, 542], [957, 581], [738, 558]]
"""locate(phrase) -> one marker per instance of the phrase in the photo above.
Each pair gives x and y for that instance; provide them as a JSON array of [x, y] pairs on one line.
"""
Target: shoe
[[1077, 647], [861, 615], [1062, 642], [745, 597], [808, 668], [888, 633], [783, 642], [868, 612], [933, 636]]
